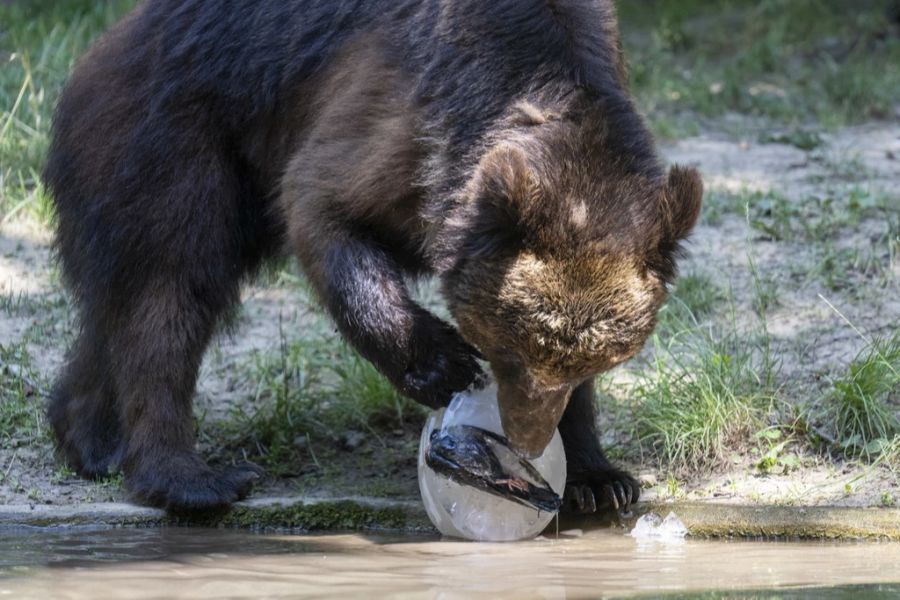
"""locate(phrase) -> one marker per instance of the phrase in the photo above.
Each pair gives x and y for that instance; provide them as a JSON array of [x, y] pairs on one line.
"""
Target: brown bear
[[493, 144]]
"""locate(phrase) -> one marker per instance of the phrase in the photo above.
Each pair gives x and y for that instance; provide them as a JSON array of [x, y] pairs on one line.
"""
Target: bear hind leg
[[83, 412]]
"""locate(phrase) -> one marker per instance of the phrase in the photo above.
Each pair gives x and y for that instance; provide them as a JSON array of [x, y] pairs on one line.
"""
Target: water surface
[[202, 563]]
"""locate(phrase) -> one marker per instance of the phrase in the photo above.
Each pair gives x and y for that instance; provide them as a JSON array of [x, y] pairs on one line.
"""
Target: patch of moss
[[345, 515]]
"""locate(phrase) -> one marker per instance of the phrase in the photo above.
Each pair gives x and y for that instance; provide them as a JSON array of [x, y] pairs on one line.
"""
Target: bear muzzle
[[530, 414]]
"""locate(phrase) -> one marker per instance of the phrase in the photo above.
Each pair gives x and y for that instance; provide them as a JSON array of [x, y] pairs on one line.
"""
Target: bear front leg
[[363, 289], [592, 483]]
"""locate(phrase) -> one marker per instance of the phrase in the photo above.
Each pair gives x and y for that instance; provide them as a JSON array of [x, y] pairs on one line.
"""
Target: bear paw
[[444, 364], [601, 491], [187, 484]]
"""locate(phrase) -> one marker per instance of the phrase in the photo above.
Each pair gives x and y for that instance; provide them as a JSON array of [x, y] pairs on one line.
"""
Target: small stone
[[353, 440], [647, 479], [301, 442]]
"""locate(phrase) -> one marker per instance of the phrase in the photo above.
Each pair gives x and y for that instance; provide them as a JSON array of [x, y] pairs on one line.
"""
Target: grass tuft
[[22, 419], [862, 412], [366, 397], [39, 42], [890, 454], [703, 396], [313, 391], [283, 407], [708, 390], [695, 296]]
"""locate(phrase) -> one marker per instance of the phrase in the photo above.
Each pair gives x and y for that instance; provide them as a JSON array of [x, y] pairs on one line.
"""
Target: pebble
[[353, 440], [647, 479]]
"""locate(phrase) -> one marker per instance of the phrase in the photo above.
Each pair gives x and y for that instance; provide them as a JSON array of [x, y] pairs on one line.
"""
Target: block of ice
[[652, 526], [673, 527], [646, 526], [464, 509]]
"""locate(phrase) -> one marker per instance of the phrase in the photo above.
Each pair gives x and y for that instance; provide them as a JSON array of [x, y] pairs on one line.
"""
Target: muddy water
[[196, 563]]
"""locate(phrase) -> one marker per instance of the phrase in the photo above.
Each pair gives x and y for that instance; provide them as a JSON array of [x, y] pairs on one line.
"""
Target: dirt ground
[[810, 339]]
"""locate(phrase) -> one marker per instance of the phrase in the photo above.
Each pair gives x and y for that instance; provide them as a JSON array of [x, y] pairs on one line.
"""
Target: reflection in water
[[197, 563]]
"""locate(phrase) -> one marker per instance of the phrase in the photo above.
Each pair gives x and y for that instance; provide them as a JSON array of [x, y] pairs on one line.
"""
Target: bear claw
[[194, 488], [601, 492]]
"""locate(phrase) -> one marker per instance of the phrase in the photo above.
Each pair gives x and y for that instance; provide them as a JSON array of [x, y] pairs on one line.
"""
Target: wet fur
[[375, 140]]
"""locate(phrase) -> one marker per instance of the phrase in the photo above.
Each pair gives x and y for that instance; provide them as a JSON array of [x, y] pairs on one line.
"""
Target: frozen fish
[[482, 459]]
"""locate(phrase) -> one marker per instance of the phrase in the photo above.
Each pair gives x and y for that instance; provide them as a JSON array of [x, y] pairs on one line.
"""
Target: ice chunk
[[647, 526], [467, 509], [652, 526], [672, 527]]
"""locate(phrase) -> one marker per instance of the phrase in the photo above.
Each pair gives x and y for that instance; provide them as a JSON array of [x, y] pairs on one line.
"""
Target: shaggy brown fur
[[491, 143]]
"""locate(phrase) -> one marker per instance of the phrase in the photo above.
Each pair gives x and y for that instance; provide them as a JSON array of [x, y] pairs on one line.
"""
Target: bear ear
[[681, 203], [507, 183], [503, 194], [679, 208]]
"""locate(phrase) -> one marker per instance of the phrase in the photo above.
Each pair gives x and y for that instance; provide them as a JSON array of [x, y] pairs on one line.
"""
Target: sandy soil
[[812, 341]]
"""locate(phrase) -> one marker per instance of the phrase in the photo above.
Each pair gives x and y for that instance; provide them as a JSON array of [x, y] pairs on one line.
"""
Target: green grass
[[307, 395], [695, 297], [815, 217], [890, 454], [707, 389], [848, 269], [21, 404], [791, 61], [822, 224], [702, 396], [39, 42], [819, 220], [862, 410], [283, 407], [367, 398]]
